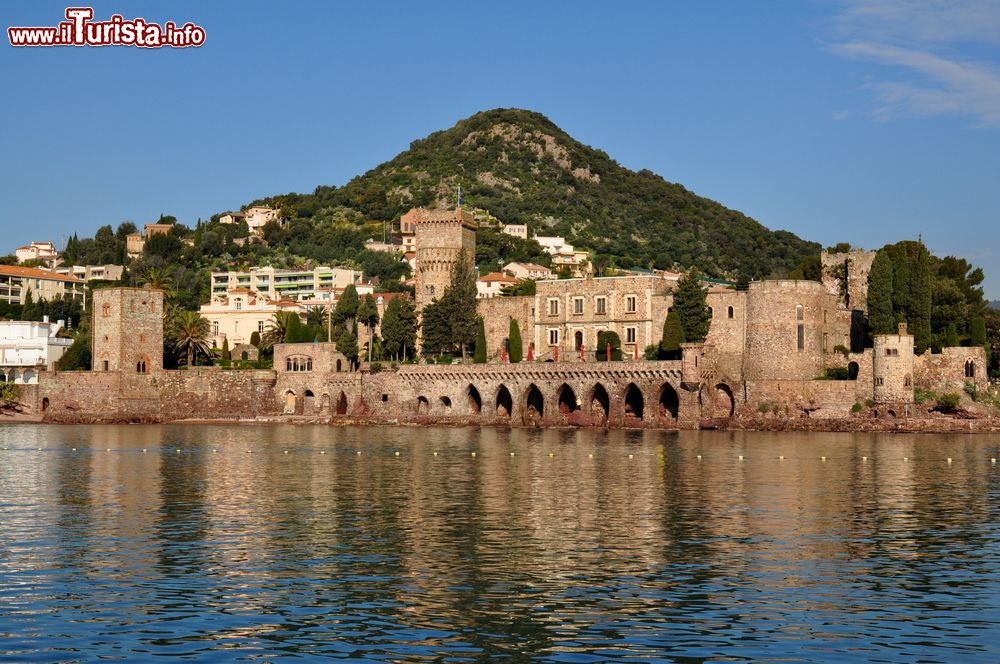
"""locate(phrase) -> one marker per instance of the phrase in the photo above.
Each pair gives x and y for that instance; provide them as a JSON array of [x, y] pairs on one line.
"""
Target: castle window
[[600, 305], [630, 304], [970, 369], [799, 312], [260, 327], [880, 381], [106, 365], [553, 307], [801, 336], [630, 335], [907, 382], [106, 310], [553, 336], [577, 306], [298, 364], [215, 328], [711, 312], [826, 340], [730, 312]]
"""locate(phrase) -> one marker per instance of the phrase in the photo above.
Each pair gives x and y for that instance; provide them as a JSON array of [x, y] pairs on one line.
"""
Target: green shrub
[[949, 401], [8, 393], [375, 367], [856, 408], [922, 396], [835, 373], [764, 407], [869, 403], [842, 349]]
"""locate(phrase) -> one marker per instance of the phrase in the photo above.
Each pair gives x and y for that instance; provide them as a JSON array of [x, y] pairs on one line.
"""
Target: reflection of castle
[[766, 347]]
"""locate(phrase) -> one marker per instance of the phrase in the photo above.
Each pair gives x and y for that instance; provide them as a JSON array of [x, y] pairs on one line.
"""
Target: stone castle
[[766, 349]]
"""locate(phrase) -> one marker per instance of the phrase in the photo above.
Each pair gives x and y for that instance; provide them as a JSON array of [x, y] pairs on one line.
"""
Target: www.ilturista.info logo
[[80, 30]]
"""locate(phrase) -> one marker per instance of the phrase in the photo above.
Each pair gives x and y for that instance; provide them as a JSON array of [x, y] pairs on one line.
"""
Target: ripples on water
[[568, 550]]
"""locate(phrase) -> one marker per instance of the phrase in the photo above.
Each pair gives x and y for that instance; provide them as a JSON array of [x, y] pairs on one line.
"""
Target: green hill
[[524, 169]]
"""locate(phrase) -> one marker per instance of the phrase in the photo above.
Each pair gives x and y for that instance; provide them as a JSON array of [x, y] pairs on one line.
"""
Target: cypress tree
[[691, 307], [461, 298], [295, 332], [514, 337], [950, 338], [673, 337], [480, 354], [901, 281], [920, 305], [226, 354], [255, 339], [977, 333], [881, 318]]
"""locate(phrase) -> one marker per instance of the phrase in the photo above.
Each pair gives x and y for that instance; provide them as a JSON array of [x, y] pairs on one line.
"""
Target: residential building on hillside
[[528, 271], [286, 284], [90, 272], [239, 312], [232, 218], [44, 251], [258, 215], [517, 230], [564, 255], [27, 347], [135, 243], [16, 282], [492, 284]]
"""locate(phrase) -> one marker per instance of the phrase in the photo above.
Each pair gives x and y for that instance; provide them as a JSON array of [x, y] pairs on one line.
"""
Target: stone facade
[[892, 360], [854, 266], [127, 330], [951, 369]]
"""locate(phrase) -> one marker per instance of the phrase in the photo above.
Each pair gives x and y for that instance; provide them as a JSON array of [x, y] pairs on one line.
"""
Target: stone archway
[[423, 405], [634, 404], [45, 404], [308, 402], [445, 404], [534, 403], [290, 402], [852, 370], [324, 403], [504, 402], [28, 377], [600, 402], [723, 400], [567, 401], [475, 400], [670, 402], [342, 404], [578, 340]]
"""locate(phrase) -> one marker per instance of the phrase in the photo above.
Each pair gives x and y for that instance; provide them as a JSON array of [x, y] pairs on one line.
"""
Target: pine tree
[[461, 298], [514, 339], [399, 328], [346, 311], [881, 318], [347, 344], [691, 306], [480, 354], [673, 337]]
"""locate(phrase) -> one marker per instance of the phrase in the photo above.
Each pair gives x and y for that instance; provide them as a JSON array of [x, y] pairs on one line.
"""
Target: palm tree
[[160, 279], [276, 330], [191, 335]]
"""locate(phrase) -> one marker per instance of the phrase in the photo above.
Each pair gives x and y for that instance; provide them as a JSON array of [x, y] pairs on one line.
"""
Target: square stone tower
[[441, 237], [127, 330]]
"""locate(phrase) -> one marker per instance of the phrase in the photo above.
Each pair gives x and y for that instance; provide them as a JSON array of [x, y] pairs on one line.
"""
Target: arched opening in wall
[[324, 403], [890, 413], [338, 366], [3, 377], [28, 377], [244, 356], [577, 340], [634, 403], [13, 376], [567, 399], [535, 402], [730, 312], [423, 405], [45, 404], [504, 403], [970, 369], [475, 401], [907, 381], [852, 370], [446, 404], [725, 403], [309, 401], [670, 402], [342, 404], [600, 402], [289, 402]]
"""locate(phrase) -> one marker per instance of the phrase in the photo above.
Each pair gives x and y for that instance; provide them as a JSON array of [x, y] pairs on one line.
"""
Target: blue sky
[[867, 121]]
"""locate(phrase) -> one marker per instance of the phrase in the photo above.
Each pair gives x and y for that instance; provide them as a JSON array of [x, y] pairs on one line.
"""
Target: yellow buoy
[[397, 453], [822, 458], [512, 454], [473, 454], [949, 459], [741, 457], [781, 458], [864, 458], [631, 456], [590, 456], [322, 451]]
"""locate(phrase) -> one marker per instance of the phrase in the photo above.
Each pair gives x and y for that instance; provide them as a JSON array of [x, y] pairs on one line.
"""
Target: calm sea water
[[229, 543]]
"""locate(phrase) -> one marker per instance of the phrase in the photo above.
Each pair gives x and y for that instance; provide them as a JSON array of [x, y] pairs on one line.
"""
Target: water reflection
[[220, 543]]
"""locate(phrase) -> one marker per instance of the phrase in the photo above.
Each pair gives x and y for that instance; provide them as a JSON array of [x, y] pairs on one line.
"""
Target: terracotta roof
[[242, 289], [497, 276], [284, 303], [532, 266], [35, 273]]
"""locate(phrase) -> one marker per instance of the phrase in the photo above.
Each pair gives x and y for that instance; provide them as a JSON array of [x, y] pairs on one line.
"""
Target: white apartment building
[[89, 272], [45, 251], [563, 254], [286, 284], [27, 347], [517, 230], [528, 271]]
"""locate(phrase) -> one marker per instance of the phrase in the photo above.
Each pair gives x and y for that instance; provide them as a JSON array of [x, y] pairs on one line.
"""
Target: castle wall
[[855, 266], [893, 367], [727, 332], [497, 312], [946, 371], [807, 398], [772, 329]]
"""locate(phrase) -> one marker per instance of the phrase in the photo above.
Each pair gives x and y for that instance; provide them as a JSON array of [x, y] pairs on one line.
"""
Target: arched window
[[907, 381], [106, 310], [711, 312], [799, 312], [800, 331], [730, 311], [970, 369]]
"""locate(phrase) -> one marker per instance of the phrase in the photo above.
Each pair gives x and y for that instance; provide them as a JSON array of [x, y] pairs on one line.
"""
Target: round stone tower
[[784, 330], [893, 367]]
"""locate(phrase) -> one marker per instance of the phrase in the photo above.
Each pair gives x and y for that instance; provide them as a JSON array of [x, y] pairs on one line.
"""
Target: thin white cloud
[[920, 38]]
